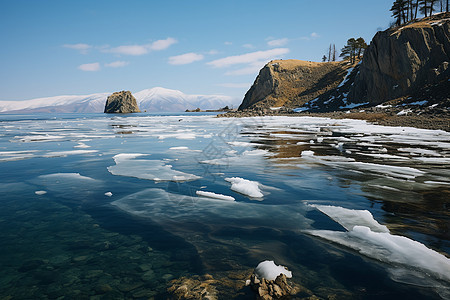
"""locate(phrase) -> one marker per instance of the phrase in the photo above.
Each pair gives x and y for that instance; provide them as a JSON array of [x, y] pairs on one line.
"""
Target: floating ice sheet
[[349, 218], [165, 207], [157, 170], [214, 195], [69, 152], [369, 238]]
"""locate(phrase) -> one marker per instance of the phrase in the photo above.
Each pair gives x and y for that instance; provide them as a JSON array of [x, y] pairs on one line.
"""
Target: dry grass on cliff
[[290, 64]]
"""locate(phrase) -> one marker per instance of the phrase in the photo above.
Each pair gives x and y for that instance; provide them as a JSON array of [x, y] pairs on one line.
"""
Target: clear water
[[62, 237]]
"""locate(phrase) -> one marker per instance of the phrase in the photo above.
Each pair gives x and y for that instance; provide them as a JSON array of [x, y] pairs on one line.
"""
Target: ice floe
[[349, 218], [40, 192], [372, 239], [214, 195], [69, 152], [245, 187], [269, 270], [166, 207], [16, 155], [109, 194], [157, 170]]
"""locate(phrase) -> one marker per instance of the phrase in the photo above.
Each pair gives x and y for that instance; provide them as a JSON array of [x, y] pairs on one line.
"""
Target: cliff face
[[121, 102], [400, 61], [291, 83]]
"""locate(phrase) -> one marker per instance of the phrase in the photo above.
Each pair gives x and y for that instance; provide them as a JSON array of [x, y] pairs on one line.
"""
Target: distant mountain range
[[156, 99]]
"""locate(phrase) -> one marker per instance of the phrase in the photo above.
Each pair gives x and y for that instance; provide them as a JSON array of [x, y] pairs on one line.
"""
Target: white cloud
[[248, 46], [83, 48], [251, 69], [90, 67], [130, 50], [248, 58], [212, 52], [312, 36], [184, 59], [162, 44], [117, 64], [142, 49], [228, 43], [235, 85], [278, 42]]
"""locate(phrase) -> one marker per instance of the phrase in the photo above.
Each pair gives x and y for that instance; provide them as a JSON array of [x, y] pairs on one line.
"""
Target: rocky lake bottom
[[95, 206]]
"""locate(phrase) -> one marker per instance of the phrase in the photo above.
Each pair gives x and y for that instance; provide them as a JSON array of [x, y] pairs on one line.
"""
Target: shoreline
[[432, 121]]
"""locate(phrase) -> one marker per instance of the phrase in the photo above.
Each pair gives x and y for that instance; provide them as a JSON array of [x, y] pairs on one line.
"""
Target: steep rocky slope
[[401, 61], [121, 102], [292, 83]]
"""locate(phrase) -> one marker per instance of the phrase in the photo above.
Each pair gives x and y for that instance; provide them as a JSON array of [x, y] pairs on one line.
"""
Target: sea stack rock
[[121, 102]]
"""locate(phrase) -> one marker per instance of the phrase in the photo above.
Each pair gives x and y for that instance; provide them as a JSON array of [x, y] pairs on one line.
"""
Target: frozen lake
[[119, 206]]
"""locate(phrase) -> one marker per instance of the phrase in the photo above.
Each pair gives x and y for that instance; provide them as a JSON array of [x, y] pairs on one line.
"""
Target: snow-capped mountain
[[157, 99]]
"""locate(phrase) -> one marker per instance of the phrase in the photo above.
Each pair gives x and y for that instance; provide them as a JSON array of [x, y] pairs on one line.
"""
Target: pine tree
[[416, 7], [324, 58], [334, 53], [424, 4], [397, 12], [432, 4], [360, 46], [329, 53], [349, 50]]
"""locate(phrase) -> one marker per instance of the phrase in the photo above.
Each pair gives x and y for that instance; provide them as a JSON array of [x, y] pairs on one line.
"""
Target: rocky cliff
[[121, 102], [292, 83], [407, 64], [401, 61]]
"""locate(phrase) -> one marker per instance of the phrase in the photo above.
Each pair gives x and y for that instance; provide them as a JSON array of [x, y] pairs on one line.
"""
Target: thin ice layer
[[157, 170], [349, 218]]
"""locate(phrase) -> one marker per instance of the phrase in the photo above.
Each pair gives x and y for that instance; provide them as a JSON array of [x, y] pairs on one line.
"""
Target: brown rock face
[[272, 289], [291, 83], [121, 102], [399, 61]]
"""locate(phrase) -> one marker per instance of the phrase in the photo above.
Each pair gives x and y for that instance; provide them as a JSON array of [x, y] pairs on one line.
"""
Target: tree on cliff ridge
[[354, 49], [406, 10]]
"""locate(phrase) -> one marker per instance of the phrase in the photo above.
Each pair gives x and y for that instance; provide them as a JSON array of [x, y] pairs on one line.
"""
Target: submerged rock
[[272, 289], [121, 102], [195, 287]]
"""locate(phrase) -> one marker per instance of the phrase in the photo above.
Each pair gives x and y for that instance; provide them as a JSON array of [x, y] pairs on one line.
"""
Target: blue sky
[[79, 47]]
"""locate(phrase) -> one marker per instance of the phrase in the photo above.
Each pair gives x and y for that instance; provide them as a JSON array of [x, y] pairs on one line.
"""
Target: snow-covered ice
[[245, 187], [269, 270], [214, 195], [371, 239]]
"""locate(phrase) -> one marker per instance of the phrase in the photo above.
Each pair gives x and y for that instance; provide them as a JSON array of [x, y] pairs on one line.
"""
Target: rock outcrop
[[272, 289], [401, 61], [292, 83], [121, 102]]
